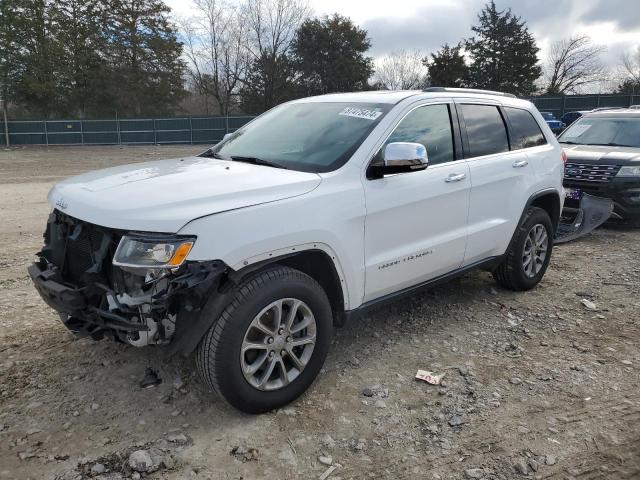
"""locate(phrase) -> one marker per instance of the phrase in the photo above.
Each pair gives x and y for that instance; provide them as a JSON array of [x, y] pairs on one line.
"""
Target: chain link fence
[[186, 130]]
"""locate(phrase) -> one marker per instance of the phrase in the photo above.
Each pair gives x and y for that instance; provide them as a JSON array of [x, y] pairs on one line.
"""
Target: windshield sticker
[[360, 113], [578, 130]]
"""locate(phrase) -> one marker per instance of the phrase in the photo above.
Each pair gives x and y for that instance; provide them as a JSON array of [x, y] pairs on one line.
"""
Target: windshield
[[621, 131], [311, 137], [547, 115]]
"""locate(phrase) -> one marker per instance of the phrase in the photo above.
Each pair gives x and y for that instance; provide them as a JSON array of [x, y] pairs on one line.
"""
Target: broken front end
[[132, 287]]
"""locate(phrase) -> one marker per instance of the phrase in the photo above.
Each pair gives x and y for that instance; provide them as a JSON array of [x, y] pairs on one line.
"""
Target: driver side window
[[430, 126]]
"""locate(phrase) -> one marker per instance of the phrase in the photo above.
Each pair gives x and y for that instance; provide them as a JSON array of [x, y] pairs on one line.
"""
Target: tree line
[[97, 58]]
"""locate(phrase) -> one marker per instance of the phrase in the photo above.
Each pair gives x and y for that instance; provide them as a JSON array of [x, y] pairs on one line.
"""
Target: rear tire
[[258, 330], [529, 253]]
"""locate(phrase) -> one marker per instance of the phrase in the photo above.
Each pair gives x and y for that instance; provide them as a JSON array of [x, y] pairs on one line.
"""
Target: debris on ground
[[150, 379], [429, 377], [588, 304]]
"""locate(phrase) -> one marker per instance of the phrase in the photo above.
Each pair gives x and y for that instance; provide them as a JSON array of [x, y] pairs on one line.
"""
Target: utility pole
[[6, 124]]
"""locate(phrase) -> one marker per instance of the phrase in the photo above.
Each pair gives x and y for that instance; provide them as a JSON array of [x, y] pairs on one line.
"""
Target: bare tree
[[573, 64], [216, 47], [401, 70], [273, 24], [631, 66]]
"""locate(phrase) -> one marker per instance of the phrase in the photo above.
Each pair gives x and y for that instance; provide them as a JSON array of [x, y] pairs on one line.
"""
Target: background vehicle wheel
[[529, 254], [269, 343]]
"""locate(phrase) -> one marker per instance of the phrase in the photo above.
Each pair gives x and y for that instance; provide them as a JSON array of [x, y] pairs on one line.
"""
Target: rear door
[[416, 223], [502, 179]]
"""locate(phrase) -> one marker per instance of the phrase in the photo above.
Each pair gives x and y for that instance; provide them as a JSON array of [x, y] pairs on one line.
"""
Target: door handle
[[455, 177], [520, 164]]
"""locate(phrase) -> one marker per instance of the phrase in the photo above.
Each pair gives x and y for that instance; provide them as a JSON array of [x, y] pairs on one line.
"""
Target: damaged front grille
[[584, 172], [81, 251]]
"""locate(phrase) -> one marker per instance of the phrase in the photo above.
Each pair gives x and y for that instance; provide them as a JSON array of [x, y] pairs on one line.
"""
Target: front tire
[[529, 254], [269, 343]]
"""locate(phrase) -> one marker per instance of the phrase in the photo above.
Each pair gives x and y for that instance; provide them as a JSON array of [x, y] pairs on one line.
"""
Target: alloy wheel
[[535, 250], [278, 344]]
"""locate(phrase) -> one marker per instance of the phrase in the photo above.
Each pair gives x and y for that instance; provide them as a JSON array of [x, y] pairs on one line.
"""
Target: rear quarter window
[[525, 130]]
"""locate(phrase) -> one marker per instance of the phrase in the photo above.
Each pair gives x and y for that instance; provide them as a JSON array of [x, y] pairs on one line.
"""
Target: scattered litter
[[151, 379], [588, 304], [327, 472], [429, 377]]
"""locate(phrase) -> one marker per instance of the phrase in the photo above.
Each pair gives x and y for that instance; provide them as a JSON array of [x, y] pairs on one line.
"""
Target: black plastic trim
[[392, 297]]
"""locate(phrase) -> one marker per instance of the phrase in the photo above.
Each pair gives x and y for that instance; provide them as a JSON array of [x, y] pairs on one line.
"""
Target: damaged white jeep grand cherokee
[[315, 211]]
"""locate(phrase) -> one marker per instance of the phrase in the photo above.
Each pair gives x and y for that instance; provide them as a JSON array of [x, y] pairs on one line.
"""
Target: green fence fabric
[[212, 129], [559, 105], [121, 131]]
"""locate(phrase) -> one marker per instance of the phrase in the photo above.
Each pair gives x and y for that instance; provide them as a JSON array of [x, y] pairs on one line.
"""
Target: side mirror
[[401, 157], [226, 135]]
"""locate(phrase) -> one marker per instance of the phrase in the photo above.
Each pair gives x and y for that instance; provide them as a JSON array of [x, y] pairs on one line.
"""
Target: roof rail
[[467, 90]]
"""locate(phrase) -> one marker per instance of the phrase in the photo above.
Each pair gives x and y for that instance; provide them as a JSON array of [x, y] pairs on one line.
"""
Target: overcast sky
[[427, 24]]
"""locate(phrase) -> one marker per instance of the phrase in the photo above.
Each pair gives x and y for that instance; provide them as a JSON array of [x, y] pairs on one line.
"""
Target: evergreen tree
[[36, 88], [143, 53], [269, 82], [447, 67], [503, 53], [12, 35], [329, 54], [79, 45]]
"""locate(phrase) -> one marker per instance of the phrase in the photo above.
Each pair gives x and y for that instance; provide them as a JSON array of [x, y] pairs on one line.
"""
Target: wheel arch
[[317, 260], [548, 200]]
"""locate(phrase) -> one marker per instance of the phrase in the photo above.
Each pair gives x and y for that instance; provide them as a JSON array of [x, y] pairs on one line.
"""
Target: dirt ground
[[537, 384]]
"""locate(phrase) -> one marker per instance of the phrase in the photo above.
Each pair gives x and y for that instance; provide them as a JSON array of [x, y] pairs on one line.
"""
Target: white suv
[[313, 212]]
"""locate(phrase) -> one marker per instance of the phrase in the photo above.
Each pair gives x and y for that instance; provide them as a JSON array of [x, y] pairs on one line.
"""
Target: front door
[[416, 223]]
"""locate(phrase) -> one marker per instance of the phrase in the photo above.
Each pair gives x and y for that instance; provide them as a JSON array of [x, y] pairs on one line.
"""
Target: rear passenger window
[[486, 131], [526, 131]]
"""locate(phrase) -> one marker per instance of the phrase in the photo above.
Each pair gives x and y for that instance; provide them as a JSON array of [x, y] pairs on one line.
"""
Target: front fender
[[332, 223]]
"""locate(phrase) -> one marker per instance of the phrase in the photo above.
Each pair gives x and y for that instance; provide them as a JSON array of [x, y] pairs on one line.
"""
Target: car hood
[[163, 196], [603, 155]]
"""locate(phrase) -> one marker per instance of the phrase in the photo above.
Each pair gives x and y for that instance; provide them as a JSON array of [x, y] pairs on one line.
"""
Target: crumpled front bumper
[[80, 312], [75, 308]]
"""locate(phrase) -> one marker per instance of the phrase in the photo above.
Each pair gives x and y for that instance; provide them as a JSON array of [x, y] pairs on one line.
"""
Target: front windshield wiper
[[257, 161], [210, 153], [569, 142]]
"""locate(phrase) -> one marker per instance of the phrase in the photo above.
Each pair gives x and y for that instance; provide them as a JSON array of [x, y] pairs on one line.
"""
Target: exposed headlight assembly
[[152, 252], [629, 172]]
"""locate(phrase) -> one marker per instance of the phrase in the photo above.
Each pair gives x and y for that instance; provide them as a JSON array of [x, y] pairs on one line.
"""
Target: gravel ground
[[542, 384]]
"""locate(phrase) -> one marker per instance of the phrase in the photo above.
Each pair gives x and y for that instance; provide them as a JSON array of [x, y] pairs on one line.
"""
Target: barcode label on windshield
[[360, 113]]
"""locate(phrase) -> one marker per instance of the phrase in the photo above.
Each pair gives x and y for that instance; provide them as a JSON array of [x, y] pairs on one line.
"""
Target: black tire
[[218, 355], [511, 273]]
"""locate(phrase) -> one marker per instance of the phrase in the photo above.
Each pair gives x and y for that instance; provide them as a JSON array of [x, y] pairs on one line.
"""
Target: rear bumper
[[625, 194]]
